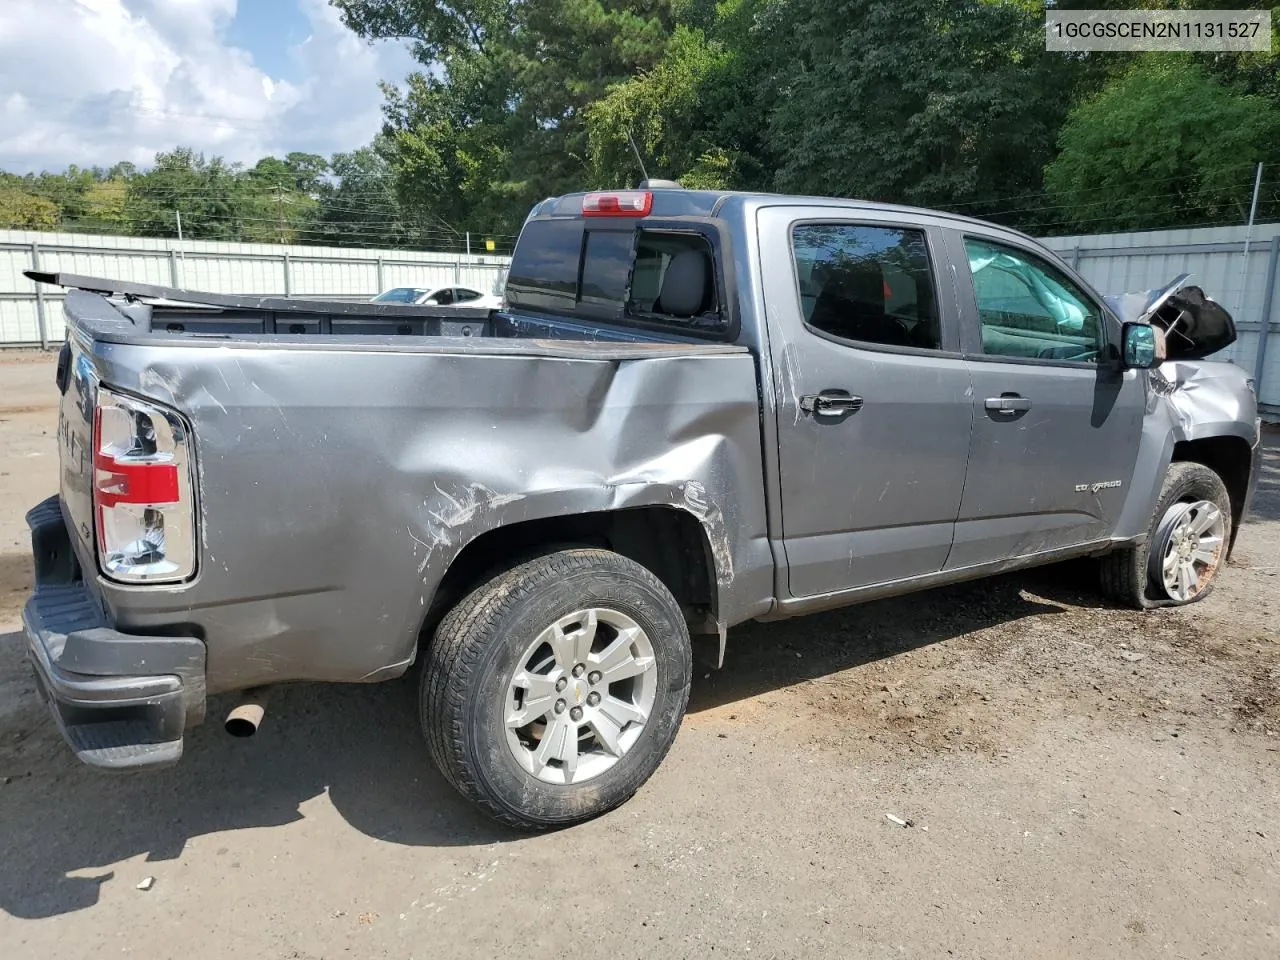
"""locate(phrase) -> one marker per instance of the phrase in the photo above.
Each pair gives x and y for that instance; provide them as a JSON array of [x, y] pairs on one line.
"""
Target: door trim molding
[[797, 606]]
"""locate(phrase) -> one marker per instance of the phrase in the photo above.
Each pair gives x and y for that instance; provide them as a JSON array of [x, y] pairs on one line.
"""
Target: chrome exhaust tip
[[246, 716]]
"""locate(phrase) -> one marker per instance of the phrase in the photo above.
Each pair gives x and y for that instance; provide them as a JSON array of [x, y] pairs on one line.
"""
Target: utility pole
[[280, 202], [1248, 236], [178, 214]]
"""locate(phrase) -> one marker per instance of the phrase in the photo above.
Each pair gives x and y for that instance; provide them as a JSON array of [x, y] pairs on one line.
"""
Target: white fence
[[1115, 263], [1244, 283], [33, 316]]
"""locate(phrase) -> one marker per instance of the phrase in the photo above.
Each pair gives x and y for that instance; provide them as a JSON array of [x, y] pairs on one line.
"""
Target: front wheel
[[553, 691], [1186, 544]]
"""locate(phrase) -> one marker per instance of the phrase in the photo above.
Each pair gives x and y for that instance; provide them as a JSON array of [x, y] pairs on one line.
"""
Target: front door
[[1056, 423], [873, 409]]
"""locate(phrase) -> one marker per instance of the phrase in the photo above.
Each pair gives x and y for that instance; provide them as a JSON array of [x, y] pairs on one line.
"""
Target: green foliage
[[499, 119], [944, 103], [20, 210], [926, 102], [1163, 145], [671, 114]]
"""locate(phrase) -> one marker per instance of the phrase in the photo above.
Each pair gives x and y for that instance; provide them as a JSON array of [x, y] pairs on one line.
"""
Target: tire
[[540, 777], [1127, 575]]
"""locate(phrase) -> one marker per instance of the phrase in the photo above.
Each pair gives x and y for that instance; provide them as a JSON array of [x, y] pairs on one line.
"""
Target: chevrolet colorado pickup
[[695, 409]]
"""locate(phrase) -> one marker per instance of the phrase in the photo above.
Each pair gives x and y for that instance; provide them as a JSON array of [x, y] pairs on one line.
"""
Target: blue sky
[[267, 29], [96, 81]]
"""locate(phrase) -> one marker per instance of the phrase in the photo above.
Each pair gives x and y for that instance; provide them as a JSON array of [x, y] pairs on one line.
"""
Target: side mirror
[[432, 302], [1144, 346]]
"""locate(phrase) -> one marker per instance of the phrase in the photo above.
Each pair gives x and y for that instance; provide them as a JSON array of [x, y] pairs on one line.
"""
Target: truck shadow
[[1266, 499], [65, 826], [770, 656]]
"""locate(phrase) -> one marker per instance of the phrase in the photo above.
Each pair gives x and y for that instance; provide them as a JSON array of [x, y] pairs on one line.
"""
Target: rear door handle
[[1008, 404]]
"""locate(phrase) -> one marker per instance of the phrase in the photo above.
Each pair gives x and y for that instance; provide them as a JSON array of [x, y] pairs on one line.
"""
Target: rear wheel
[[1186, 544], [552, 692]]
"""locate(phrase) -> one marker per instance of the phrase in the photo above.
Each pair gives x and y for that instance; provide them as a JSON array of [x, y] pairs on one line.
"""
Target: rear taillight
[[618, 203], [142, 495]]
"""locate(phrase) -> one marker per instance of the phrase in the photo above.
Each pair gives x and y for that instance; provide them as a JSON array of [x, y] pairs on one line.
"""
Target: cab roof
[[678, 202]]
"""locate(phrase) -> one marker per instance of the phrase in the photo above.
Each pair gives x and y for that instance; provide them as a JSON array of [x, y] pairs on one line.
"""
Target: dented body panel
[[337, 484], [340, 475]]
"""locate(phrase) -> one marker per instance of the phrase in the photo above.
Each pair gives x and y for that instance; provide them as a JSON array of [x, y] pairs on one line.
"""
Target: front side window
[[1029, 309], [869, 284]]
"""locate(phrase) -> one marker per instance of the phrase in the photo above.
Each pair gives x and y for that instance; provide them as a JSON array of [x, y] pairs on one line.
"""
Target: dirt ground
[[1080, 782]]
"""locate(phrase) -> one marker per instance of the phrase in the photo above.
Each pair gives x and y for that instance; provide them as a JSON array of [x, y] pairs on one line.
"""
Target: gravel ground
[[1078, 781]]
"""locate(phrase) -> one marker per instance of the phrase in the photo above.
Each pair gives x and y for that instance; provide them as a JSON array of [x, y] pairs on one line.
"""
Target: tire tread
[[454, 656], [1122, 574]]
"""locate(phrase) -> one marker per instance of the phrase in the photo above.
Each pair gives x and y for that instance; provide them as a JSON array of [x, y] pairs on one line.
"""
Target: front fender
[[1186, 400]]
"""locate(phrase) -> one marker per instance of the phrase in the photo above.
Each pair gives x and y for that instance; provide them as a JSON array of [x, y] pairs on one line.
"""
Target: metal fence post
[[173, 268], [457, 271], [40, 315], [1264, 326], [1075, 257], [287, 286], [381, 286]]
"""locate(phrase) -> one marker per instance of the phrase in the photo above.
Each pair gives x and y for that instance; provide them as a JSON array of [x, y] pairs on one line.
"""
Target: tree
[[927, 102], [20, 210], [497, 120], [681, 114], [1163, 145], [105, 206], [207, 192], [358, 206]]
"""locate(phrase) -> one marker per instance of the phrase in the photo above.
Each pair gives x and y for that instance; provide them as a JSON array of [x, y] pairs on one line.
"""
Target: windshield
[[400, 295]]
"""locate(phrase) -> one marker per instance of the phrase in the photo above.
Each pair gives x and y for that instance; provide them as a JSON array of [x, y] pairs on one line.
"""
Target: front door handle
[[830, 403], [1008, 404]]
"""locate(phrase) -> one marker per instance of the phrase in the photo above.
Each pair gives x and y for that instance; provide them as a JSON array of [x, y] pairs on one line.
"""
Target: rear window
[[607, 273]]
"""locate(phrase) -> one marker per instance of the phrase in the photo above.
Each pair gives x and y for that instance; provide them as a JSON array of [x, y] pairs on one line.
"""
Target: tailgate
[[77, 383]]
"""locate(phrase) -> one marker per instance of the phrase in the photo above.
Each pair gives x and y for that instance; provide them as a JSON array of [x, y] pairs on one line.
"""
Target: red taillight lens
[[618, 203], [142, 491]]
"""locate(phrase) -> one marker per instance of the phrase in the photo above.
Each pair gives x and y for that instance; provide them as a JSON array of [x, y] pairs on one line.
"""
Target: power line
[[1045, 193]]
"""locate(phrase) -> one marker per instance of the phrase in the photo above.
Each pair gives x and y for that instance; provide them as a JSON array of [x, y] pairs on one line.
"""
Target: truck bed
[[140, 312]]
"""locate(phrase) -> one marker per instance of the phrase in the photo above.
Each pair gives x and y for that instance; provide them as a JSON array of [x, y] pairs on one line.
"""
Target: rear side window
[[868, 284], [646, 277]]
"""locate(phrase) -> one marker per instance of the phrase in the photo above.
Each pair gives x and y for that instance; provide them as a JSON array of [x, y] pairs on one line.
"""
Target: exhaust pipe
[[246, 716]]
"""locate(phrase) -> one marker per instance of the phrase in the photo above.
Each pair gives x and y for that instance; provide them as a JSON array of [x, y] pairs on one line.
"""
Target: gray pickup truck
[[694, 410]]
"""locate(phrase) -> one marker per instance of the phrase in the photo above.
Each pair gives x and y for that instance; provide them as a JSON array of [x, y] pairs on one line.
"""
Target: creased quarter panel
[[336, 487]]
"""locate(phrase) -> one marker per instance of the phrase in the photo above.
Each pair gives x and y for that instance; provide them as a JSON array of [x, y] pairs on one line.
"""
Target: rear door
[[873, 408], [1056, 422]]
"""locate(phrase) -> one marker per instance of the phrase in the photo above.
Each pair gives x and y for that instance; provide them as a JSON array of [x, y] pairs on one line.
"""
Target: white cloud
[[97, 81]]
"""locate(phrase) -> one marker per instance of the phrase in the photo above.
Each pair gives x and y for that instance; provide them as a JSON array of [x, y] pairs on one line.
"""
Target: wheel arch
[[1230, 457], [673, 543]]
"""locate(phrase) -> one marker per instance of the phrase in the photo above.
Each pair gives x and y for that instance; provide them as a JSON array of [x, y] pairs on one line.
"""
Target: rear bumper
[[122, 701]]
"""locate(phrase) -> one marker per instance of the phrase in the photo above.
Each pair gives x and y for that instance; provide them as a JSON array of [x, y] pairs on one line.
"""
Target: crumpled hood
[[1194, 325]]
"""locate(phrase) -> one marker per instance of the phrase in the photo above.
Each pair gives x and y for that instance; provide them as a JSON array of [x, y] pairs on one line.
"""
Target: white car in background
[[440, 297]]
